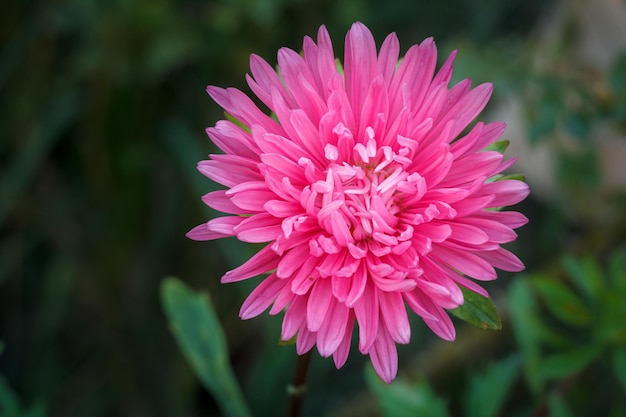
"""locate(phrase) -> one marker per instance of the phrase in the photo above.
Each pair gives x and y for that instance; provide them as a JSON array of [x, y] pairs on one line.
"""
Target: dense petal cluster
[[366, 192]]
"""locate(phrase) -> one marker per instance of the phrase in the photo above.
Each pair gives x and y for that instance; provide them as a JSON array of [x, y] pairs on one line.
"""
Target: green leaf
[[200, 337], [560, 365], [9, 403], [518, 177], [478, 310], [617, 271], [488, 390], [401, 399], [561, 301], [586, 275], [543, 117], [236, 121], [557, 407], [529, 330], [499, 146], [289, 342], [619, 366]]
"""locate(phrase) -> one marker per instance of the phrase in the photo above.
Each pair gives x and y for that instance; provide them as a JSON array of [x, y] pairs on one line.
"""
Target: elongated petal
[[265, 260]]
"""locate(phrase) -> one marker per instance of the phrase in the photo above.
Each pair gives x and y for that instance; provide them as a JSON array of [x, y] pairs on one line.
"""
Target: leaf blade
[[200, 337]]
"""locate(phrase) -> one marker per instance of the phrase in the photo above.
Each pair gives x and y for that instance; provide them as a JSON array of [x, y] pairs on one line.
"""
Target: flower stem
[[298, 388]]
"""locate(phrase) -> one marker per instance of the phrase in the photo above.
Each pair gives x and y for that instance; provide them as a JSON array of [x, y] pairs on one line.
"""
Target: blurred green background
[[102, 117]]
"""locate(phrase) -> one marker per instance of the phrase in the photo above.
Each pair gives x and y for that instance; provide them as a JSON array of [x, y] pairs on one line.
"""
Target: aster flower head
[[369, 198]]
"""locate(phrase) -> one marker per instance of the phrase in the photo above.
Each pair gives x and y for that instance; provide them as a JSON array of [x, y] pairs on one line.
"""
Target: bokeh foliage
[[102, 113]]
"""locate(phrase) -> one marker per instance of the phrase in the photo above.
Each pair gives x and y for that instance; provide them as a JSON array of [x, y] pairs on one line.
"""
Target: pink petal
[[261, 297], [367, 314], [259, 228], [442, 325], [359, 63], [359, 280], [493, 230], [376, 103], [265, 260], [511, 219], [300, 82], [305, 341], [252, 199], [467, 169], [318, 304], [466, 262], [326, 58], [218, 200], [305, 277], [468, 232], [227, 172], [332, 331], [294, 319], [388, 57], [394, 315], [292, 261], [502, 259], [233, 140], [384, 356], [243, 108], [266, 79], [506, 193], [341, 353], [217, 228]]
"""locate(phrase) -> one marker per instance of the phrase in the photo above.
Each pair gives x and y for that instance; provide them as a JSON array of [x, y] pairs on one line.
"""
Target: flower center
[[360, 202]]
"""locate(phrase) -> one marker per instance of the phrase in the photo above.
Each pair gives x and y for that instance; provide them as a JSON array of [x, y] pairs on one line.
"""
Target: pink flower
[[367, 196]]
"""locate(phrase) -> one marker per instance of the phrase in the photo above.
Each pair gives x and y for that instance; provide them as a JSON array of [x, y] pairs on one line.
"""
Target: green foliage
[[583, 326], [478, 310], [403, 399], [557, 407], [488, 390], [10, 405], [195, 325]]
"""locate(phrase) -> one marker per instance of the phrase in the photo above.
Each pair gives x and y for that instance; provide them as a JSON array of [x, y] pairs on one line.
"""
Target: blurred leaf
[[400, 399], [543, 117], [488, 390], [578, 126], [579, 170], [528, 330], [586, 275], [499, 146], [557, 407], [619, 366], [201, 339], [617, 271], [289, 342], [518, 177], [560, 365], [562, 301], [9, 403], [478, 310]]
